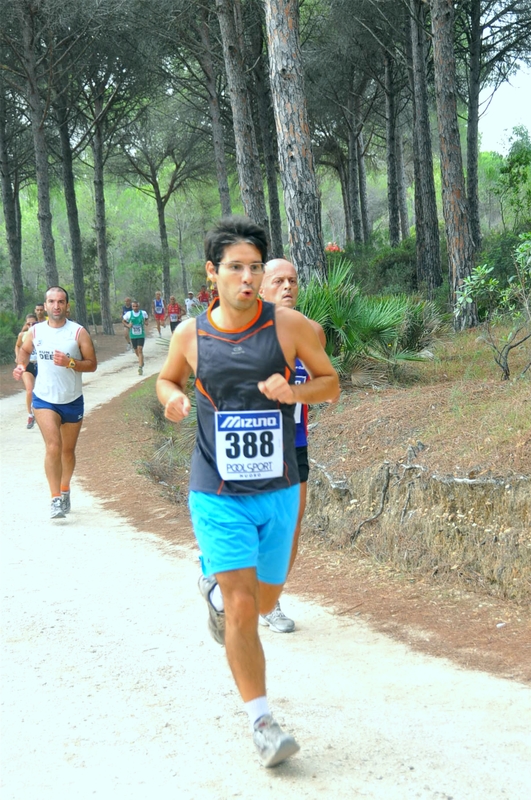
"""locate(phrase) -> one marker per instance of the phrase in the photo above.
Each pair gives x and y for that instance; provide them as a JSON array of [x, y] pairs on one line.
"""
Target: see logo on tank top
[[249, 444]]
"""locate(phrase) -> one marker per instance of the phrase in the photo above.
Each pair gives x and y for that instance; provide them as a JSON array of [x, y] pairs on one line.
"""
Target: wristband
[[71, 364]]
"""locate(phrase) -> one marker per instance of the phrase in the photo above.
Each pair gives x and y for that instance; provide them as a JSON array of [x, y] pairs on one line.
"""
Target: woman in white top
[[28, 377]]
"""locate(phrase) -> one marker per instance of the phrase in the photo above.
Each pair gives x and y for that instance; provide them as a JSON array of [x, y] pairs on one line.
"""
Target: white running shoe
[[57, 509], [271, 742], [65, 499], [277, 620], [216, 619]]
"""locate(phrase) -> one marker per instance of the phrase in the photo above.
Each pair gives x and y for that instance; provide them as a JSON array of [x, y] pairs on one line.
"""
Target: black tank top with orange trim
[[229, 366]]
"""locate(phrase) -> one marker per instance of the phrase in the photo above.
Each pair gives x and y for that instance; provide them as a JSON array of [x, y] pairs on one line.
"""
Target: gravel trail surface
[[112, 687]]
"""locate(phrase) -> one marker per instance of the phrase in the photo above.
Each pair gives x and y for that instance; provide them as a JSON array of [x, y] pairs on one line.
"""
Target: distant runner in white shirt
[[159, 312], [192, 302], [64, 350]]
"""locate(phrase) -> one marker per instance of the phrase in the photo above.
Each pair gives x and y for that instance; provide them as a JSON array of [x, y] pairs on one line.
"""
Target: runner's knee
[[241, 607]]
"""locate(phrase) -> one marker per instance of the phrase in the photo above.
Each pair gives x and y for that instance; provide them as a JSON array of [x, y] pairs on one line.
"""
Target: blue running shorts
[[241, 531], [69, 412]]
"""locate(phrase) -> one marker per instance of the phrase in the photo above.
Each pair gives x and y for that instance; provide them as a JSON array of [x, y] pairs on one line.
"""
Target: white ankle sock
[[216, 598], [257, 708]]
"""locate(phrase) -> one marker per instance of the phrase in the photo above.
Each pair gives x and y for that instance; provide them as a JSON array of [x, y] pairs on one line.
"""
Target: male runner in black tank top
[[244, 478]]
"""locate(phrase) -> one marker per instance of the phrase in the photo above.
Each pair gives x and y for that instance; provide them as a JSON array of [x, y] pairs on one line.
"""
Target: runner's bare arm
[[87, 362], [299, 339], [181, 361], [23, 357], [319, 331], [18, 344]]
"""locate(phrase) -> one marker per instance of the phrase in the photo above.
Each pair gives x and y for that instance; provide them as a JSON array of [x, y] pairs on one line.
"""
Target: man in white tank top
[[64, 350]]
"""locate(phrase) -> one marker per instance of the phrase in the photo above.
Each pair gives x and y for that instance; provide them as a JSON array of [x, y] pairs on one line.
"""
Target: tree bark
[[181, 259], [268, 140], [301, 196], [392, 176], [455, 206], [37, 116], [402, 186], [9, 205], [163, 234], [247, 160], [362, 173], [472, 152], [76, 246], [342, 173], [218, 137], [101, 226], [353, 173], [429, 272]]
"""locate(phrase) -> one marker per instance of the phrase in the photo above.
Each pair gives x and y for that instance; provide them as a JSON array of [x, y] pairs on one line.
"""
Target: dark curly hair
[[231, 230]]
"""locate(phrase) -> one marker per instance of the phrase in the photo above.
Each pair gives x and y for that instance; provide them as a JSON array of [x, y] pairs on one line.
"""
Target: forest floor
[[472, 629]]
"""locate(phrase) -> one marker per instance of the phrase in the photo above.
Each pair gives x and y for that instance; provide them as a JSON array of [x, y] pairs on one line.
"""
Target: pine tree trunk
[[247, 161], [165, 248], [342, 174], [472, 152], [301, 196], [101, 227], [455, 206], [362, 173], [353, 174], [218, 137], [392, 176], [36, 115], [9, 205], [181, 259], [269, 146], [429, 273], [402, 187], [73, 219]]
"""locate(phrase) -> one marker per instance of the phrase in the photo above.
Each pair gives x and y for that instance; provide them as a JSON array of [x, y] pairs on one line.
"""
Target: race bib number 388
[[249, 445]]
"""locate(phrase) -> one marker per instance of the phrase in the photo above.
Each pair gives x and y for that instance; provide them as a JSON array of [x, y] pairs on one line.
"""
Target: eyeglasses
[[233, 266]]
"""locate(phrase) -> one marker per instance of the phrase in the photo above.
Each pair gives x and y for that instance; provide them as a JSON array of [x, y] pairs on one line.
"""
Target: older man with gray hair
[[280, 286]]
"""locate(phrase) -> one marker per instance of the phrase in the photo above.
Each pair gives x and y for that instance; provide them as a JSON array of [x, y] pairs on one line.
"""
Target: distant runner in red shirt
[[174, 313], [203, 296]]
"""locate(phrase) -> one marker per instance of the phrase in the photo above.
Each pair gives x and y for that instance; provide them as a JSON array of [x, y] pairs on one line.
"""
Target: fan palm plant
[[368, 337]]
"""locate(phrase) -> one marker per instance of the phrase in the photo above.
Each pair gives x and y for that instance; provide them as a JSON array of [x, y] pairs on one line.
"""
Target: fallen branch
[[385, 489], [341, 484], [408, 495]]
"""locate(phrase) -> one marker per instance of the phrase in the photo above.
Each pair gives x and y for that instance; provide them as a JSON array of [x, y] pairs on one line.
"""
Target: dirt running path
[[112, 687]]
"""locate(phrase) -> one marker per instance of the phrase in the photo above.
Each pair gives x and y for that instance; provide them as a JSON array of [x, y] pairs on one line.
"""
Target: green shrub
[[364, 332], [497, 251], [380, 269], [10, 327]]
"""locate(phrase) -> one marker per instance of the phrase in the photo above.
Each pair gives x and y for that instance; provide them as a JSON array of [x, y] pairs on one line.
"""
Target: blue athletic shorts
[[69, 412], [241, 531]]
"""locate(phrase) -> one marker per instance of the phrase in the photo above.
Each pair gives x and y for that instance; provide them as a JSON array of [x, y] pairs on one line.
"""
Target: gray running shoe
[[31, 422], [65, 499], [272, 743], [141, 370], [57, 509], [216, 619], [277, 620]]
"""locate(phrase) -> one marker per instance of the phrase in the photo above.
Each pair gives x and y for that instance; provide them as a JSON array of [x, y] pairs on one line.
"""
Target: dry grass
[[456, 447]]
